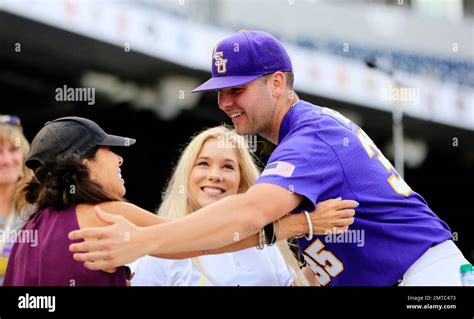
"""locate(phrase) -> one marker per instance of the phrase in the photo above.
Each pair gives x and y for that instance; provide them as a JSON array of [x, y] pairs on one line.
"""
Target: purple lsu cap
[[244, 57]]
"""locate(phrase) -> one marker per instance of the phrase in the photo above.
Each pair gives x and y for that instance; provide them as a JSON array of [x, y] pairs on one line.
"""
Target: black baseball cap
[[67, 136]]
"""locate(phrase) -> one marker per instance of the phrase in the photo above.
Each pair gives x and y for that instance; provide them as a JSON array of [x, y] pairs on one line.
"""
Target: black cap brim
[[114, 140]]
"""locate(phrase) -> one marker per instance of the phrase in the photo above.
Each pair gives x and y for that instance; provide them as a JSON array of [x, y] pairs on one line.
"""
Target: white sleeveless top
[[248, 267]]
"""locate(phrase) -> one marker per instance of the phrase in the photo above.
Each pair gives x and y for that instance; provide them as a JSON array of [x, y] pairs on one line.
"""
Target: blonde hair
[[177, 201], [14, 135]]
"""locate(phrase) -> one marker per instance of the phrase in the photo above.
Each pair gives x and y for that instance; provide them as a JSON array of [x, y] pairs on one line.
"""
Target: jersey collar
[[285, 125]]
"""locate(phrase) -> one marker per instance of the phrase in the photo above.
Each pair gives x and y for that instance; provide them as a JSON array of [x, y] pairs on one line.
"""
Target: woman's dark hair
[[61, 184]]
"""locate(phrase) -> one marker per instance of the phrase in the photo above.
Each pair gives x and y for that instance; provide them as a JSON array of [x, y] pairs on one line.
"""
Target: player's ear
[[278, 82]]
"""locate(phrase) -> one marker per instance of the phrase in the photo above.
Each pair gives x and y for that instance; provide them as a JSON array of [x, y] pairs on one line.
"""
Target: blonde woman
[[216, 164], [13, 150]]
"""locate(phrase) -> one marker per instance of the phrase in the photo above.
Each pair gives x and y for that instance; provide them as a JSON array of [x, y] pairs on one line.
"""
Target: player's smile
[[228, 99], [237, 117], [236, 114]]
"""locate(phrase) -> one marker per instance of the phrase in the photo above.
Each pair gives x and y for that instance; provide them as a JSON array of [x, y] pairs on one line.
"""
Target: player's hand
[[333, 216], [115, 245]]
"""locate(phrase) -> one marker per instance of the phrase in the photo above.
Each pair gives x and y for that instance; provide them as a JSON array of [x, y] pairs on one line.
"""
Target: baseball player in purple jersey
[[395, 239]]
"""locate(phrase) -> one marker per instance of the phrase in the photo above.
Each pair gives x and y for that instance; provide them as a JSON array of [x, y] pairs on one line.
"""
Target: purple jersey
[[323, 155]]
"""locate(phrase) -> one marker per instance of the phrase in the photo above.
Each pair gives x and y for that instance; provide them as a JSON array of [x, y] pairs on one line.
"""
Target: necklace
[[294, 103]]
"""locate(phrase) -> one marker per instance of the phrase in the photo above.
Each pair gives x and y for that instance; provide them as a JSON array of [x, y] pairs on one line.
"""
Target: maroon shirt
[[48, 261]]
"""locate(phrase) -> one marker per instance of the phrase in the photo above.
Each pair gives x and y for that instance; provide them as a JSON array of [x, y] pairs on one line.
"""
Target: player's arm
[[287, 227], [329, 216], [211, 227], [227, 221]]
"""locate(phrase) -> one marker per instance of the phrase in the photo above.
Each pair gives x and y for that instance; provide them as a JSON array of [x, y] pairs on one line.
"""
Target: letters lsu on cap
[[67, 136], [244, 57]]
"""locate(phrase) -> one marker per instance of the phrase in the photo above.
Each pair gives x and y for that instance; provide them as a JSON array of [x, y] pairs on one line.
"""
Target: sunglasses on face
[[10, 120]]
